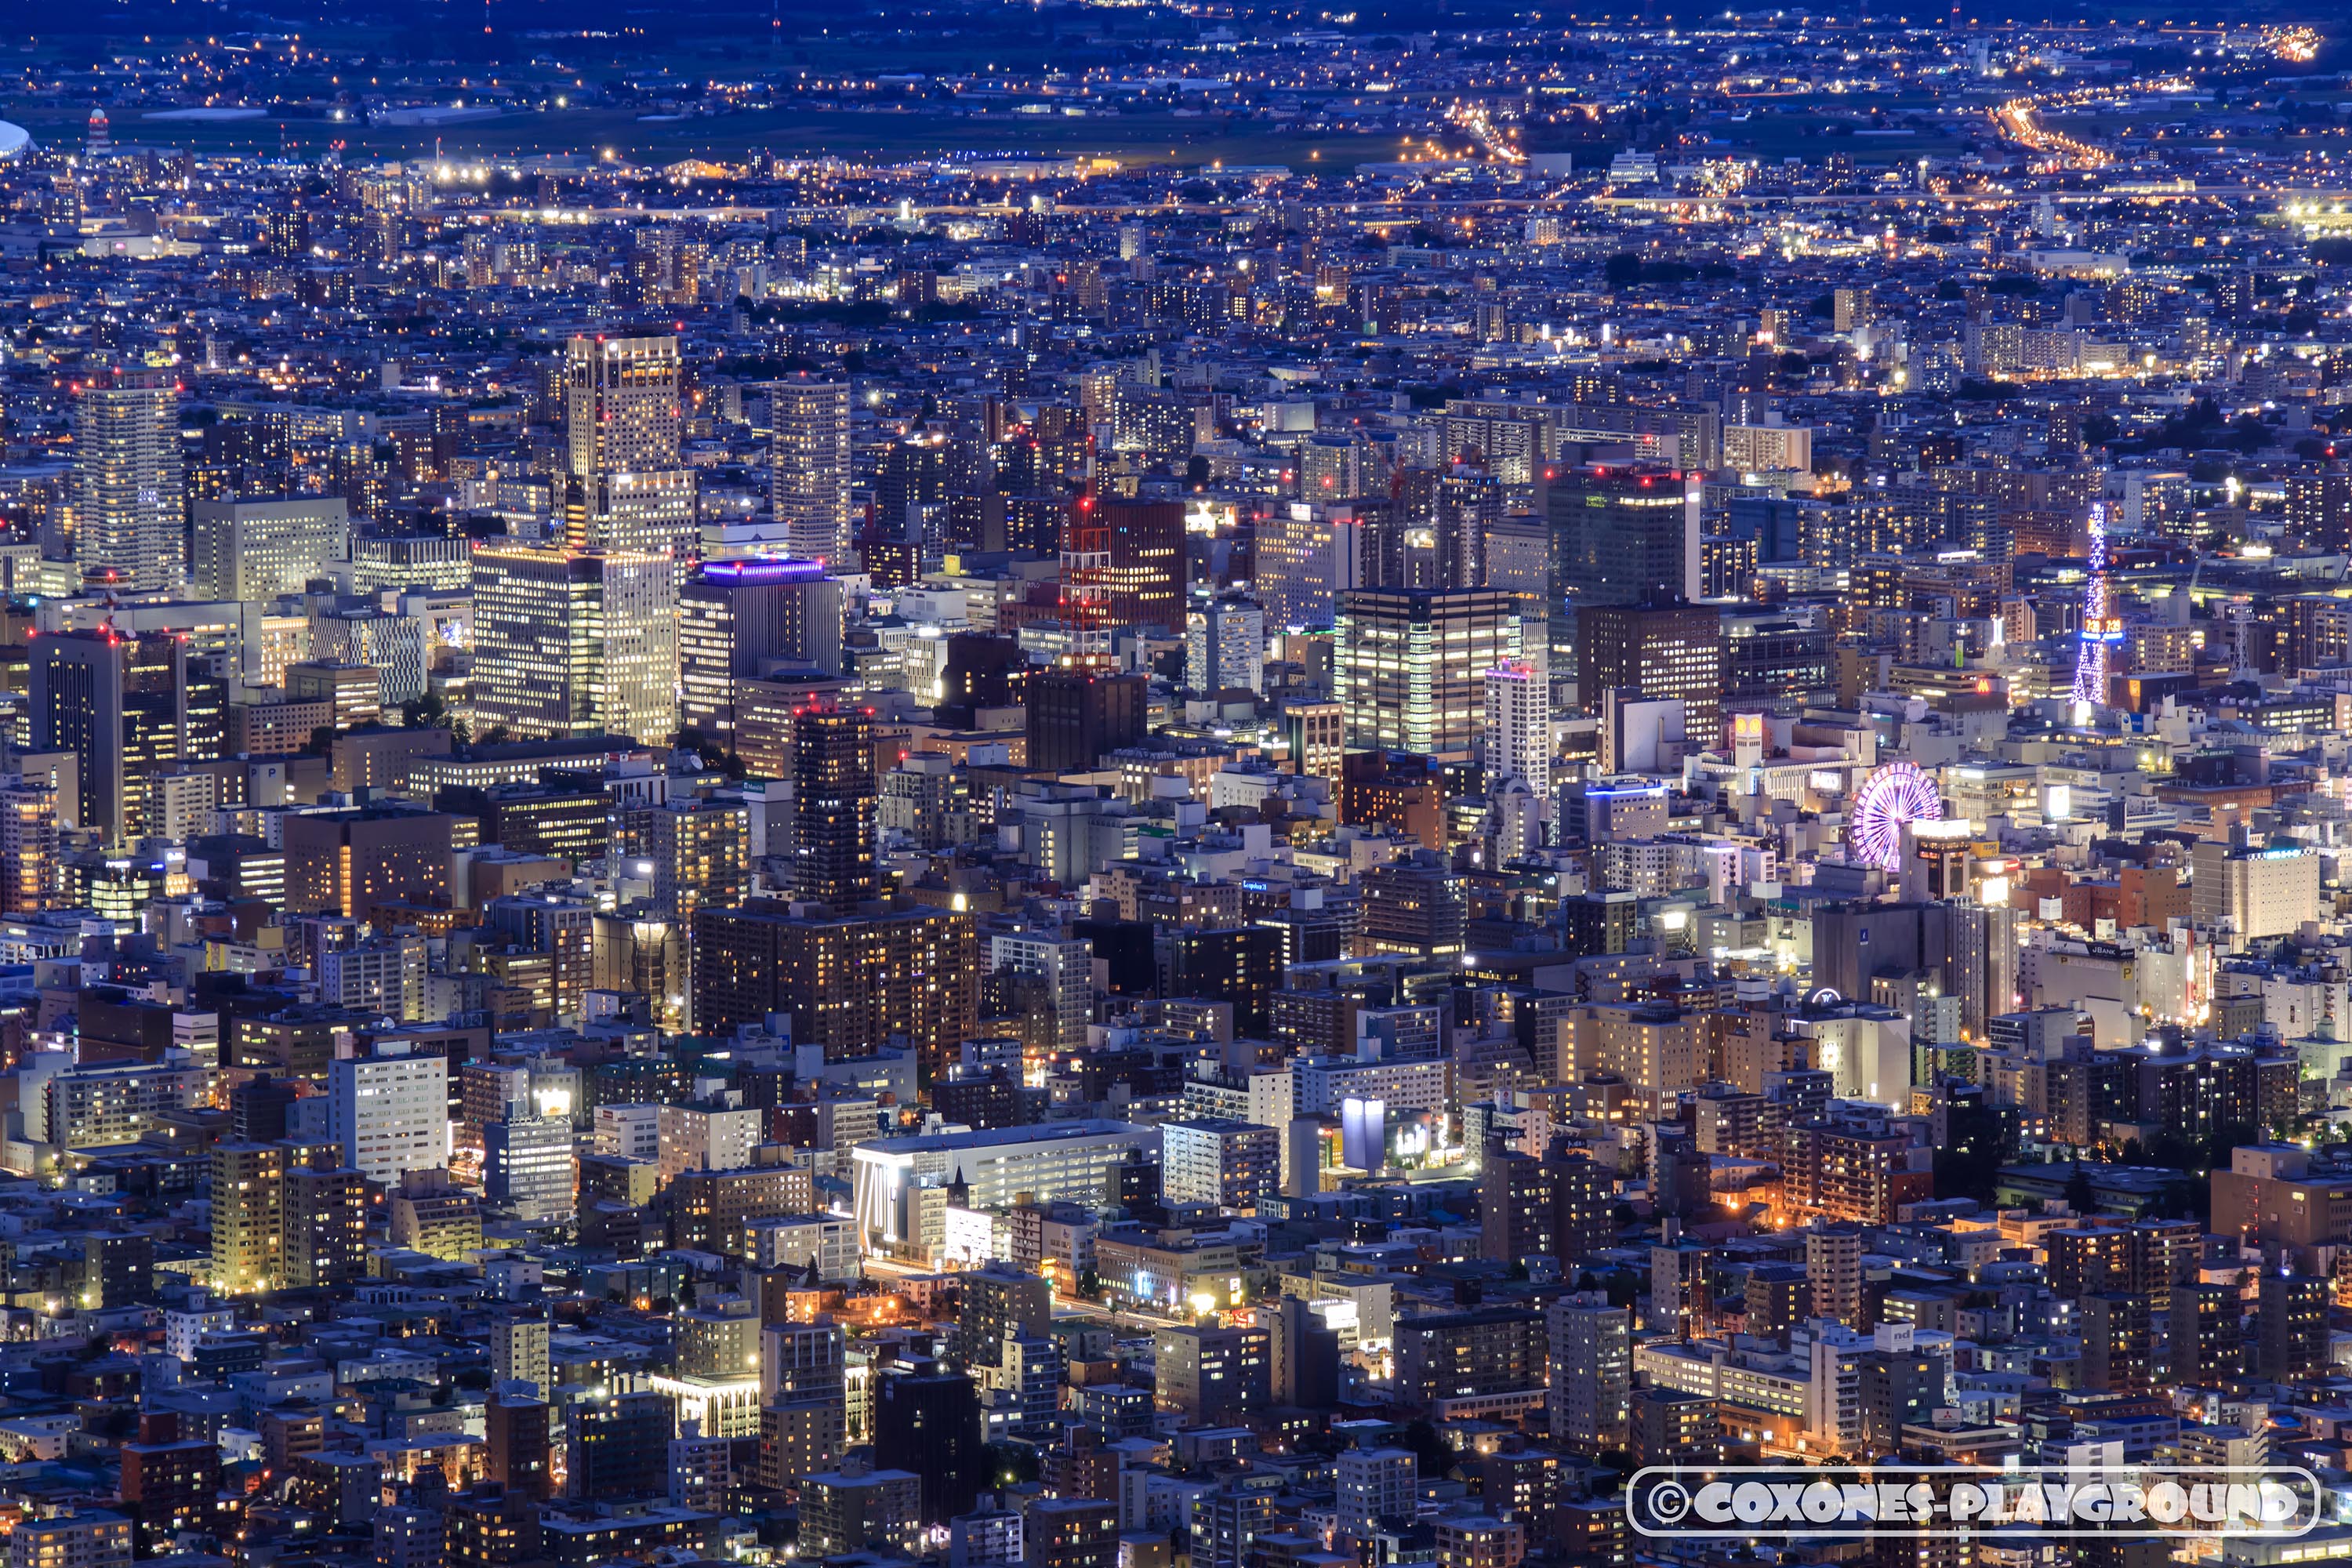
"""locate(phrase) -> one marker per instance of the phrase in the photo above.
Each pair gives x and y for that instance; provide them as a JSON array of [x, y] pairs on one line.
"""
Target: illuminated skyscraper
[[1519, 752], [1447, 512], [737, 616], [1409, 669], [127, 503], [249, 1216], [626, 488], [1620, 536], [120, 706], [833, 808], [1518, 724], [570, 642], [1662, 651], [1308, 555], [1591, 1389], [1122, 566], [809, 466]]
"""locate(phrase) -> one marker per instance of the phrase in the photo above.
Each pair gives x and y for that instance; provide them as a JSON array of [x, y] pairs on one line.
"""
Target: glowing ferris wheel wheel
[[1891, 796]]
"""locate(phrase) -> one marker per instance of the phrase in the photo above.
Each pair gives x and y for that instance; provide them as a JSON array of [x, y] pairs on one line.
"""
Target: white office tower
[[127, 489], [809, 466], [1518, 724], [1519, 752], [627, 489], [1224, 648], [257, 550], [390, 1111], [1308, 555]]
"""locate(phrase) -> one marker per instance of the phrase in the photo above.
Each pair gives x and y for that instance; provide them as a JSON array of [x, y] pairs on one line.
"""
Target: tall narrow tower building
[[128, 507]]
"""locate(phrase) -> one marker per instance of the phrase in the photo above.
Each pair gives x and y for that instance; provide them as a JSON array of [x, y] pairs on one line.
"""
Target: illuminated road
[[2020, 119], [886, 1268]]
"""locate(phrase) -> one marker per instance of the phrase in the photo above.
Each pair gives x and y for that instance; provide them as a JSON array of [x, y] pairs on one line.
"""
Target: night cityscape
[[1175, 784]]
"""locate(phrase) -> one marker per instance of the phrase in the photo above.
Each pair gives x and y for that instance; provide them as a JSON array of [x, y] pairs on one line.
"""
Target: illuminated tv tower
[[2101, 627]]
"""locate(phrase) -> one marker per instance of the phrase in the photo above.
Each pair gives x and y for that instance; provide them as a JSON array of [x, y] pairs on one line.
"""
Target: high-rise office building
[[1123, 564], [1446, 513], [1318, 737], [833, 808], [1620, 536], [571, 642], [1414, 905], [735, 619], [804, 1400], [627, 490], [1076, 715], [1308, 555], [1664, 652], [1409, 668], [380, 561], [390, 1111], [1224, 648], [810, 466], [260, 548], [1518, 724], [28, 845], [128, 496], [911, 487], [528, 1166], [119, 705]]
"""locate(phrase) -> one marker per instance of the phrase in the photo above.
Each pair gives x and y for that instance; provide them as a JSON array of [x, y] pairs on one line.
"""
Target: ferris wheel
[[1891, 796]]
